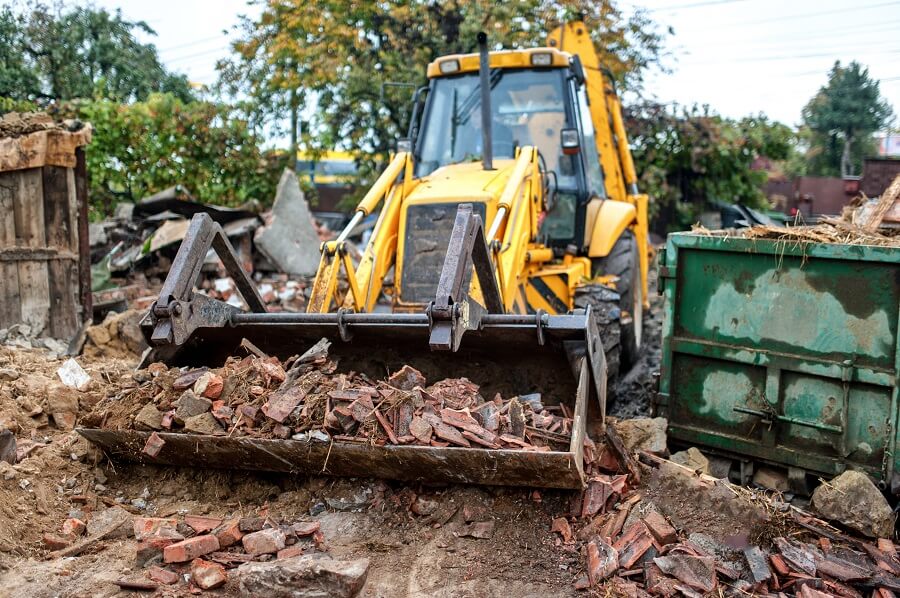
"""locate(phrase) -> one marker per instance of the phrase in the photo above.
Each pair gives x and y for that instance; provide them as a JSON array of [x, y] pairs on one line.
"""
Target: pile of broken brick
[[304, 398], [199, 551], [634, 554]]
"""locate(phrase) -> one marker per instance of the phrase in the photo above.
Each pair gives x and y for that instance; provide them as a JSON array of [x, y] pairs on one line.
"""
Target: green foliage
[[144, 147], [840, 119], [688, 157], [52, 53], [340, 52]]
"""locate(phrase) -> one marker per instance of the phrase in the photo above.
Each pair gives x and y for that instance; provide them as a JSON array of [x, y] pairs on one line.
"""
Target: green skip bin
[[783, 352]]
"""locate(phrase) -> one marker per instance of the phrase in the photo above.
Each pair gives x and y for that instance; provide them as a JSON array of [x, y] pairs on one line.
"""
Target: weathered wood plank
[[9, 272], [34, 290], [63, 282], [82, 240], [55, 147]]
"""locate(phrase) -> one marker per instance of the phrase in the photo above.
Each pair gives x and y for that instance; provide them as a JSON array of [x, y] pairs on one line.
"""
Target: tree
[[49, 54], [339, 53], [841, 118], [144, 147], [689, 157]]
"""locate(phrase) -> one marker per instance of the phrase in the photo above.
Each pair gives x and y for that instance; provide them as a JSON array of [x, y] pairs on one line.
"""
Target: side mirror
[[570, 142], [577, 69], [404, 144]]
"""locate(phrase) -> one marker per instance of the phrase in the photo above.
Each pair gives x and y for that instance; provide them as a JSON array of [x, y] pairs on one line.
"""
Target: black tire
[[604, 303], [624, 262]]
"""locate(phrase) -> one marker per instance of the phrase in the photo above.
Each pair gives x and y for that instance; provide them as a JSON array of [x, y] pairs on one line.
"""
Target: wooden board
[[34, 288], [55, 147], [10, 312], [59, 201]]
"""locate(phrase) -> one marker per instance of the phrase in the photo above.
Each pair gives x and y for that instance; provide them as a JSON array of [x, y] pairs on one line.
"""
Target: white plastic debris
[[73, 376]]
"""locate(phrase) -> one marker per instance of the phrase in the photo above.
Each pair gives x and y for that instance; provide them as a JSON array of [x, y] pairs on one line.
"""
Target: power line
[[692, 5], [807, 15], [196, 42]]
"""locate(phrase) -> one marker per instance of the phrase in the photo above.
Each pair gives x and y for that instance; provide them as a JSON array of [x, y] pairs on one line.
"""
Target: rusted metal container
[[783, 352]]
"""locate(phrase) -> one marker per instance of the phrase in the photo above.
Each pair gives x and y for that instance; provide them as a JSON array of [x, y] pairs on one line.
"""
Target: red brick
[[267, 541], [73, 526], [209, 385], [660, 528], [145, 527], [291, 551], [151, 549], [202, 524], [306, 528], [188, 550], [154, 445], [229, 533], [208, 575], [58, 542], [163, 576]]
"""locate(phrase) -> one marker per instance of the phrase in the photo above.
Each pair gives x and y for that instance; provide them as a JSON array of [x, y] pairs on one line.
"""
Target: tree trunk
[[845, 156]]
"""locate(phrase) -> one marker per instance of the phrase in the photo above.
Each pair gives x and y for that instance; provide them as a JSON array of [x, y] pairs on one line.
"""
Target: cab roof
[[503, 59]]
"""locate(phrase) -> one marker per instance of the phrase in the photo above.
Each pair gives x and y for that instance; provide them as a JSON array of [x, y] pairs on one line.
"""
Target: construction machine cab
[[537, 99]]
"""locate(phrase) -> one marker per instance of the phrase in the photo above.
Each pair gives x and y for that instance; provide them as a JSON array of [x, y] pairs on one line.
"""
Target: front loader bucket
[[558, 356]]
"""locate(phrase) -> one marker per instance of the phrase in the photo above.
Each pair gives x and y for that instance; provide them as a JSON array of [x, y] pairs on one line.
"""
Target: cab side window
[[593, 172]]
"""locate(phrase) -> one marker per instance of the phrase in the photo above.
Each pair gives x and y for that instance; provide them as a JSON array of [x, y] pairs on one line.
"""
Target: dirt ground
[[411, 554]]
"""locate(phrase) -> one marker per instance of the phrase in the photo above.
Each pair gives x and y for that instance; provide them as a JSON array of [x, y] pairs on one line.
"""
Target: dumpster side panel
[[786, 354]]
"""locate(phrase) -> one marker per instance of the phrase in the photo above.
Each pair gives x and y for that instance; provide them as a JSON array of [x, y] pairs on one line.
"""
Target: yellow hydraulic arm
[[619, 174], [365, 281]]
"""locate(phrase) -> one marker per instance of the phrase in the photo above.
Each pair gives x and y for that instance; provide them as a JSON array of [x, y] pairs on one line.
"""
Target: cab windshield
[[527, 108]]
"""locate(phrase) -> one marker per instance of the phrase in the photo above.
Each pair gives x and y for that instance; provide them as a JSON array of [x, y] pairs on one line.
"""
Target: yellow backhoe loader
[[517, 170]]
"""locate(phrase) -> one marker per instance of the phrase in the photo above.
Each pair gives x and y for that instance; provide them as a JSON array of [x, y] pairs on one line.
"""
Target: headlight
[[449, 66], [541, 59]]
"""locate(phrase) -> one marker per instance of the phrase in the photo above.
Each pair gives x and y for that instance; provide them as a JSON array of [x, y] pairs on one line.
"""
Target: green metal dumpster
[[782, 352]]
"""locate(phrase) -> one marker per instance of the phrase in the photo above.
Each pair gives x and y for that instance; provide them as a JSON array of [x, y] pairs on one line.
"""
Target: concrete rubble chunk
[[148, 418], [205, 423], [73, 375], [207, 575], [189, 405], [290, 240], [693, 459], [306, 576], [116, 522], [643, 434], [853, 500], [772, 479]]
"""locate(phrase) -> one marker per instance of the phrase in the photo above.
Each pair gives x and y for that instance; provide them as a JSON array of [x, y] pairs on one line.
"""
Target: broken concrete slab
[[290, 240], [853, 500], [693, 459], [305, 576], [643, 434]]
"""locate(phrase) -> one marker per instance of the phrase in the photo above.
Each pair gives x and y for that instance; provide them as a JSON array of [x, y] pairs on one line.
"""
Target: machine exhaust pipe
[[484, 73]]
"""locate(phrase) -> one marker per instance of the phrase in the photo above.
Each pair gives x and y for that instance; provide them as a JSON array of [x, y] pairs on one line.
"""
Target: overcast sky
[[739, 56]]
